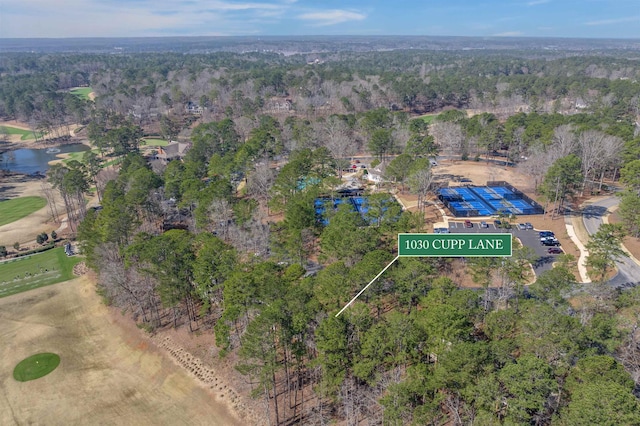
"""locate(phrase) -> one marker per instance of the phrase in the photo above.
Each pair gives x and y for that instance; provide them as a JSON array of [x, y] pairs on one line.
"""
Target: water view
[[30, 161]]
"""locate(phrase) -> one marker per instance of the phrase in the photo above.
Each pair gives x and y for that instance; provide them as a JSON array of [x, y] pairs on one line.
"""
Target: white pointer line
[[366, 287]]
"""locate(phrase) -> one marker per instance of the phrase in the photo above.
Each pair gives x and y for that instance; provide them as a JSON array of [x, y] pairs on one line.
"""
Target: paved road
[[528, 237], [628, 270]]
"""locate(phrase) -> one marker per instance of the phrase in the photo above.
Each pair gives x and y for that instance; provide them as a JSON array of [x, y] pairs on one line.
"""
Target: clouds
[[613, 21], [331, 17], [121, 18], [140, 18]]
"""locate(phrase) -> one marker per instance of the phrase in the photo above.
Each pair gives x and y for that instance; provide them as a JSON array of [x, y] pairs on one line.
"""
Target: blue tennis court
[[359, 205], [470, 201]]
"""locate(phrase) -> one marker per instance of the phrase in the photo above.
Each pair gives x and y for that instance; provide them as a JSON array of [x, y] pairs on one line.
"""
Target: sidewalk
[[582, 270]]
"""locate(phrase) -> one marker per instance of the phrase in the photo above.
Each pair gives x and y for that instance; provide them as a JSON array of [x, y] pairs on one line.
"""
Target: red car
[[468, 224], [554, 250]]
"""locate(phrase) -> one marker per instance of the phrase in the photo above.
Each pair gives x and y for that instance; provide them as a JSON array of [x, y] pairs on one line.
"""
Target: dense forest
[[227, 241]]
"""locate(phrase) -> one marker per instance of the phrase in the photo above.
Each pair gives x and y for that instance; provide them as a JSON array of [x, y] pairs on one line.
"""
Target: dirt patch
[[80, 269], [479, 172], [105, 376], [17, 124]]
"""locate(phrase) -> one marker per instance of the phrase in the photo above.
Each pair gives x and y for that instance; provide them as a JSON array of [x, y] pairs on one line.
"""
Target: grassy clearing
[[112, 162], [36, 366], [17, 208], [24, 134], [81, 92], [78, 156], [427, 118], [39, 270], [154, 142]]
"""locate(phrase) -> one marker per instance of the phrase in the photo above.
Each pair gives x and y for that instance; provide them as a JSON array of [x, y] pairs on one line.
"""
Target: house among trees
[[173, 151], [142, 113], [193, 108], [581, 104], [275, 105], [377, 174]]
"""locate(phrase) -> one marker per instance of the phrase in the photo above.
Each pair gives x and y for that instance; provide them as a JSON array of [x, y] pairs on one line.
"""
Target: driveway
[[628, 270], [528, 238]]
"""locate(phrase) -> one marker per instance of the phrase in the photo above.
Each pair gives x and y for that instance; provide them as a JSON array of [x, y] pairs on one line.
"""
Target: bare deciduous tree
[[564, 142], [448, 136], [420, 183], [50, 195], [259, 182], [593, 148], [337, 137]]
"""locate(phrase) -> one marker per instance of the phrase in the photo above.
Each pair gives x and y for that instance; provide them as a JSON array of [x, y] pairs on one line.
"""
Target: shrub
[[38, 250]]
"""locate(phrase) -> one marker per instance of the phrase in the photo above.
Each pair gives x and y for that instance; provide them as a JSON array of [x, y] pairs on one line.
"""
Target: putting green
[[81, 92], [36, 366], [427, 118]]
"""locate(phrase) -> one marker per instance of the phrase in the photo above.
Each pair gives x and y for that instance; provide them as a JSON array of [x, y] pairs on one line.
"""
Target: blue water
[[30, 161]]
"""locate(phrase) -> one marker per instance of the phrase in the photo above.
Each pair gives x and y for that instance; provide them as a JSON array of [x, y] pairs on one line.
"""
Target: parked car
[[484, 224], [546, 234], [554, 250], [528, 225], [468, 224], [550, 241], [440, 230], [497, 223], [522, 226]]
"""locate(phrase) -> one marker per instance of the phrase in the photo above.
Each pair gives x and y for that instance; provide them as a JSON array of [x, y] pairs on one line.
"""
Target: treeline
[[38, 100], [151, 85]]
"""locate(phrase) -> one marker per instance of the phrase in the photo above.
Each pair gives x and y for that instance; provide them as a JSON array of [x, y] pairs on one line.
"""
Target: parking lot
[[528, 237]]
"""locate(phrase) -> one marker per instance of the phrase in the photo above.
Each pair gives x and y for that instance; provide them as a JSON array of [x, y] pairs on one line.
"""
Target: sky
[[485, 18]]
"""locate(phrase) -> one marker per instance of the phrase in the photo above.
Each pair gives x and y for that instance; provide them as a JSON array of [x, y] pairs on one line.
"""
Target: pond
[[30, 161]]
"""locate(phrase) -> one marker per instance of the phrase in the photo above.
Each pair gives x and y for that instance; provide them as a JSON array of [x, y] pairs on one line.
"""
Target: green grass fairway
[[153, 142], [24, 134], [427, 118], [38, 270], [36, 366], [17, 208], [112, 162], [78, 156], [81, 92]]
